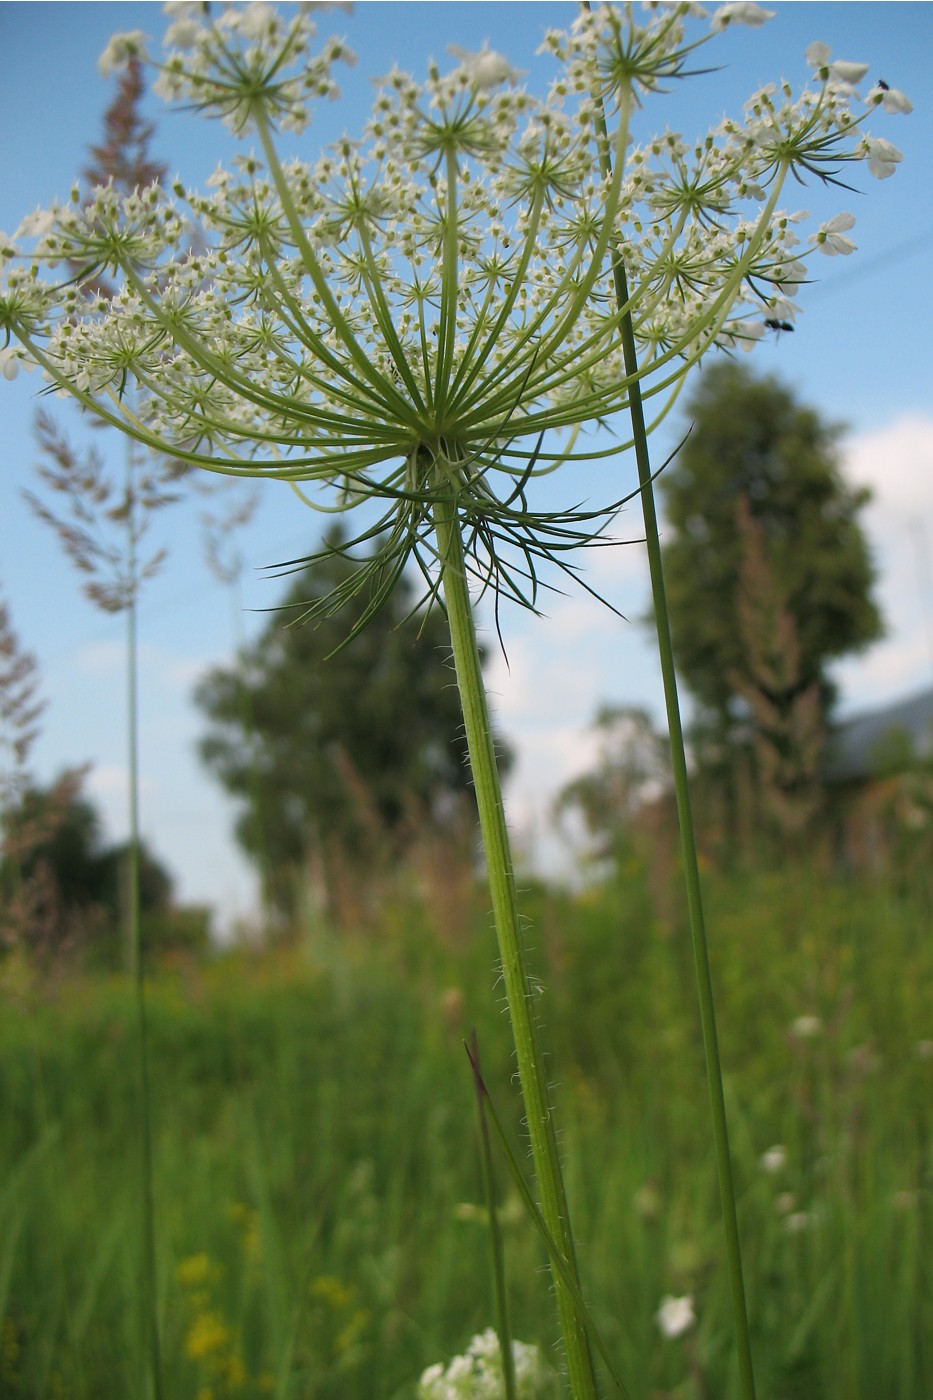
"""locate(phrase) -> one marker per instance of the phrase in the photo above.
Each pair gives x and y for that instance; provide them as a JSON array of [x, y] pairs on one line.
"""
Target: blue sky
[[861, 355]]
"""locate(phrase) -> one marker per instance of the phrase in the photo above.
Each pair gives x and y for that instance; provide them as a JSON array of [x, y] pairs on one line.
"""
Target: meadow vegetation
[[321, 1223], [294, 1127]]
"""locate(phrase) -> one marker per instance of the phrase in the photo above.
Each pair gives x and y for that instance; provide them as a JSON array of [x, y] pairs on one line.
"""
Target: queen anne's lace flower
[[431, 310], [477, 1375]]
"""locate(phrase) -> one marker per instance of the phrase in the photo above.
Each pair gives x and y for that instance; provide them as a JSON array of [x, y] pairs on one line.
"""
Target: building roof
[[857, 747]]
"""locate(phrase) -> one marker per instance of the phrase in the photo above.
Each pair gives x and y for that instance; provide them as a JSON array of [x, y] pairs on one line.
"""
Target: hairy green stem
[[519, 989]]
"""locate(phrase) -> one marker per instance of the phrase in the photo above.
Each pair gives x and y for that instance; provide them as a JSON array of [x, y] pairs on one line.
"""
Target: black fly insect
[[779, 325]]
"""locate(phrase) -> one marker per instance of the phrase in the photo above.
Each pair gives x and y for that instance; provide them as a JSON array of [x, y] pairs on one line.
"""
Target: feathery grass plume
[[29, 905], [96, 507], [23, 902], [20, 708], [99, 522], [426, 320]]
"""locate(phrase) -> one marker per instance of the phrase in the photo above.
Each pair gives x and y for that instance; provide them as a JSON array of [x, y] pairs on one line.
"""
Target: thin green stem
[[688, 850], [137, 961], [684, 811], [500, 1288], [519, 988], [694, 896]]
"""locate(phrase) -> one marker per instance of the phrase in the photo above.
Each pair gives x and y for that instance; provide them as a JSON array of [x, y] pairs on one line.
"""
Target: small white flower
[[799, 1221], [774, 1160], [831, 239], [9, 362], [182, 34], [485, 69], [37, 224], [121, 48], [255, 21], [817, 54], [889, 99], [882, 157], [848, 72], [806, 1027], [740, 12], [675, 1316]]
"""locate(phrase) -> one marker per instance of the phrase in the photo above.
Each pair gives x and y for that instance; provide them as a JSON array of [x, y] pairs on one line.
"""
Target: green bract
[[428, 312]]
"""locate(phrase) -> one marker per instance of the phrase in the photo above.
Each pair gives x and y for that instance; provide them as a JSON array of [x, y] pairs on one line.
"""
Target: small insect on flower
[[779, 325]]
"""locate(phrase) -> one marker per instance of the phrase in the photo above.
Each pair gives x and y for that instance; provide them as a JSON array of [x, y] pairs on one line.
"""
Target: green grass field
[[319, 1208]]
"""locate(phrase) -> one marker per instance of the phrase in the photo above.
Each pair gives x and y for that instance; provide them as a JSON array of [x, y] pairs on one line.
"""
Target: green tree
[[53, 855], [769, 578], [337, 753]]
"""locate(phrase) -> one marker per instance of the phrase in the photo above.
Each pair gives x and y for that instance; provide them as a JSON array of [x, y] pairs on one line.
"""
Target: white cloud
[[101, 659], [897, 463]]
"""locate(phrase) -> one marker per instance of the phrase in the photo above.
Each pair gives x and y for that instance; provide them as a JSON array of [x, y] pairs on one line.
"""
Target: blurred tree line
[[341, 754], [770, 580], [62, 887]]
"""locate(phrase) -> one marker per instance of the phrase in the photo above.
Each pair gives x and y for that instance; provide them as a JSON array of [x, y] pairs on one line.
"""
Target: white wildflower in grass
[[774, 1160], [675, 1316], [477, 1375], [806, 1027]]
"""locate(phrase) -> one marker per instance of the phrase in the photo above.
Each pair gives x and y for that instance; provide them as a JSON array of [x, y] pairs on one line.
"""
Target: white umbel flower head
[[426, 313], [477, 1375]]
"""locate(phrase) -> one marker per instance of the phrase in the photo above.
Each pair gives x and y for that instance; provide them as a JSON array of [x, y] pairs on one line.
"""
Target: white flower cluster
[[477, 1375], [675, 1316], [414, 311]]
